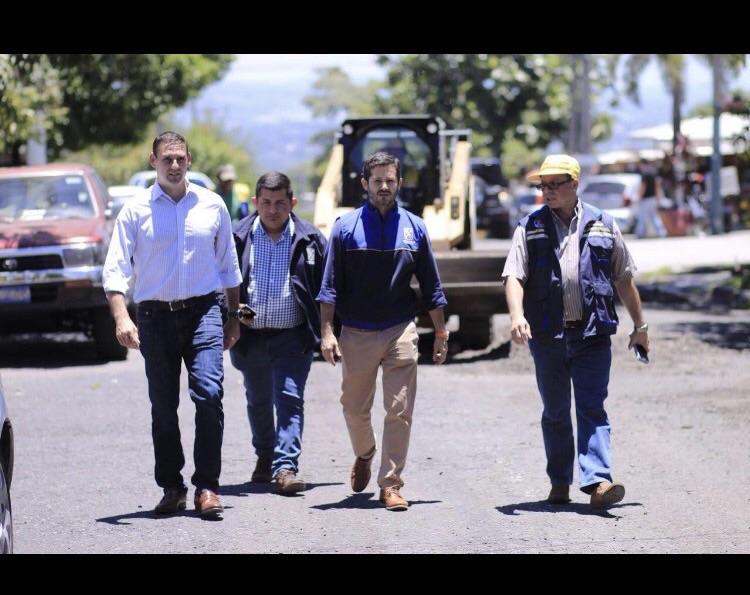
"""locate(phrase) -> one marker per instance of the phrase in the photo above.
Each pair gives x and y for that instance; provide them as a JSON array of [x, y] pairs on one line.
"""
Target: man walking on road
[[281, 260], [173, 243], [371, 257], [564, 262]]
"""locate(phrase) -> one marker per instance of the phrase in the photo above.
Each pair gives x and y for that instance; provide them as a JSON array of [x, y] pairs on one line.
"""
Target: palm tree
[[672, 68]]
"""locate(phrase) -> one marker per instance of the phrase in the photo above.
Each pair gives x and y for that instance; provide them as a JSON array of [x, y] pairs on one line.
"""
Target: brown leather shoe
[[392, 498], [361, 473], [174, 500], [287, 482], [559, 494], [262, 472], [207, 503], [606, 494]]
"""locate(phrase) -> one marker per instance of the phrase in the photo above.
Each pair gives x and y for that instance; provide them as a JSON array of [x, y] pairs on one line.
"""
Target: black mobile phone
[[247, 312], [640, 353]]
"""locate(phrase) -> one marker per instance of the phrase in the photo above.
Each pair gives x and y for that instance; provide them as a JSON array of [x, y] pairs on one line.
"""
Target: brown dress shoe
[[207, 503], [392, 498], [174, 500], [262, 472], [361, 473], [606, 494], [559, 494], [287, 482]]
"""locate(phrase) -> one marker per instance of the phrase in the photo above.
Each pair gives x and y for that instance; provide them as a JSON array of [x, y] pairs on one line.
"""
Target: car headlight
[[82, 255]]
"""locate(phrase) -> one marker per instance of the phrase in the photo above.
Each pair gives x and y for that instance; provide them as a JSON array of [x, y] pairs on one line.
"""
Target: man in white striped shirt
[[565, 261], [173, 245]]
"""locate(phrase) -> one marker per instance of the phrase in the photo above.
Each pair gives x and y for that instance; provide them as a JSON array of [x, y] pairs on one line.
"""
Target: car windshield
[[44, 197]]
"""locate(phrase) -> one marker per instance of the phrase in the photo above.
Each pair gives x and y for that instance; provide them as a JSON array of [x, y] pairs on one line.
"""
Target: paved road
[[475, 476]]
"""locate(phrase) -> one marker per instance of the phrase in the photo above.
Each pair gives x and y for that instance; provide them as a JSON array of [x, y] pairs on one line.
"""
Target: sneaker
[[262, 472], [174, 500], [361, 473], [287, 482], [392, 498], [606, 494]]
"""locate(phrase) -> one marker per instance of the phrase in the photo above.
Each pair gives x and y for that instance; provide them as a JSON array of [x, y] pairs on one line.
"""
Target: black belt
[[175, 305], [573, 323]]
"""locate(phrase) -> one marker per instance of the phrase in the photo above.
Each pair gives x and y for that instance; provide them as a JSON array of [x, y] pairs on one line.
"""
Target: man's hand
[[231, 333], [439, 350], [329, 347], [127, 333], [520, 331], [641, 338]]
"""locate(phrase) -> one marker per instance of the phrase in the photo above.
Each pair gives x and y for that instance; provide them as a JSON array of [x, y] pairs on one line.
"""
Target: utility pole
[[717, 215]]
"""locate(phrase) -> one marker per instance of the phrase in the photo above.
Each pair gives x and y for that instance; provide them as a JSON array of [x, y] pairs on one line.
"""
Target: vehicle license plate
[[16, 294]]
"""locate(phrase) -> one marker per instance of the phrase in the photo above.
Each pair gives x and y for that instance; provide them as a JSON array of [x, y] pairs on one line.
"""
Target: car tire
[[6, 516], [107, 346]]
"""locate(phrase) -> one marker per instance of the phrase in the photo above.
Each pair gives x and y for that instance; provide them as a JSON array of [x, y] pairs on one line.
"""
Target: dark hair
[[380, 159], [273, 181], [169, 137]]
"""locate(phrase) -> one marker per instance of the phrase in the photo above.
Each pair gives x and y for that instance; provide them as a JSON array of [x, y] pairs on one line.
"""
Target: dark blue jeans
[[275, 368], [195, 336], [585, 362]]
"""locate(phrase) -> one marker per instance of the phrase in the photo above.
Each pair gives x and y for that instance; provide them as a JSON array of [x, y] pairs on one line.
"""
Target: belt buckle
[[176, 305]]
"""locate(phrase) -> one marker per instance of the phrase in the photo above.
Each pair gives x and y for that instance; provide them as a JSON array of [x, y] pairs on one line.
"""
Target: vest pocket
[[603, 303]]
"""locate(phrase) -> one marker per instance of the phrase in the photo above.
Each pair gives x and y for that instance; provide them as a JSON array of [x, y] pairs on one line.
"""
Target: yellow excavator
[[439, 187]]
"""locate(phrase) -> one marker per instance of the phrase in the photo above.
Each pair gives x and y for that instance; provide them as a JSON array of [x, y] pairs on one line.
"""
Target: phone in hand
[[247, 312], [640, 353]]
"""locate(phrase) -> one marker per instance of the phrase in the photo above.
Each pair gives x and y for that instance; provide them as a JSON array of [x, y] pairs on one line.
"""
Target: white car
[[616, 194], [6, 474], [146, 178]]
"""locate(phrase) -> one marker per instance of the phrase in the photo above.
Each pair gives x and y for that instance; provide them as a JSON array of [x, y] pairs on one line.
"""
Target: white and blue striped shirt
[[167, 250], [269, 289]]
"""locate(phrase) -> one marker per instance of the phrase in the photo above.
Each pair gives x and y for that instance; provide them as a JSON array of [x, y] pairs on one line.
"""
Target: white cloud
[[277, 68]]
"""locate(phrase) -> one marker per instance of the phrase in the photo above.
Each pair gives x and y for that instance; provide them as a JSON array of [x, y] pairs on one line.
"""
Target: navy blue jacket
[[543, 296], [306, 267], [370, 261]]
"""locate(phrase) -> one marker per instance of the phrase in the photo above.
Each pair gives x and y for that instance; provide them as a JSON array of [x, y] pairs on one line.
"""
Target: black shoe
[[262, 472], [174, 500]]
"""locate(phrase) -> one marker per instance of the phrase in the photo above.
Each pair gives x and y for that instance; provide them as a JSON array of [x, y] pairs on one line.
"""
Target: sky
[[261, 95]]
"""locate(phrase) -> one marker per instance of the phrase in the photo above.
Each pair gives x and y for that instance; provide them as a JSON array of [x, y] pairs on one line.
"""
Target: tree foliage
[[81, 99]]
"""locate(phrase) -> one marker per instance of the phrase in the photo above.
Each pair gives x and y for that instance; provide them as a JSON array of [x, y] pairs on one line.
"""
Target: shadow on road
[[41, 351], [247, 488], [729, 335], [576, 507], [365, 501], [150, 514]]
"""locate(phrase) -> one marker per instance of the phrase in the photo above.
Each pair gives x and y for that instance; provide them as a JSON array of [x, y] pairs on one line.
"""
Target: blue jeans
[[275, 368], [586, 362], [193, 335]]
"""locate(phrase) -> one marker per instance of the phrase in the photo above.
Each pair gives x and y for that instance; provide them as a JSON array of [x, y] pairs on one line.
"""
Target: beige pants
[[363, 352]]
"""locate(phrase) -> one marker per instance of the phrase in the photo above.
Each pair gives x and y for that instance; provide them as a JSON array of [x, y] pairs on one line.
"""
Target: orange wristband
[[442, 334]]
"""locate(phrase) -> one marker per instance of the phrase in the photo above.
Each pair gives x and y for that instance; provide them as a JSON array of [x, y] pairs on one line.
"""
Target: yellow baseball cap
[[556, 164]]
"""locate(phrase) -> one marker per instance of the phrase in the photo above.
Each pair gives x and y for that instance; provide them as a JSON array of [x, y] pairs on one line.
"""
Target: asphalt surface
[[475, 474]]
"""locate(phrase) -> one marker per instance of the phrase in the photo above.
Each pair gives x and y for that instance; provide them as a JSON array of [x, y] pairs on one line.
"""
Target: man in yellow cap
[[565, 261]]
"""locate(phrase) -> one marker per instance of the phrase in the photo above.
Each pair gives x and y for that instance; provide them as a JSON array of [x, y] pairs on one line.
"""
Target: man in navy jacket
[[281, 261]]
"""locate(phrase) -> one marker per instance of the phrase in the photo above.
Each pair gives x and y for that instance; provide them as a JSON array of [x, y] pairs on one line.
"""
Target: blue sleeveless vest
[[543, 298]]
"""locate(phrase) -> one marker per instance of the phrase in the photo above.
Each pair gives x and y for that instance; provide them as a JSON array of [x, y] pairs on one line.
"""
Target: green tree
[[672, 67], [211, 145], [82, 99]]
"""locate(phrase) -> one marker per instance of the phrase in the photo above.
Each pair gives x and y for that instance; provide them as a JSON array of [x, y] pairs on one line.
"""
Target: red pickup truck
[[55, 227]]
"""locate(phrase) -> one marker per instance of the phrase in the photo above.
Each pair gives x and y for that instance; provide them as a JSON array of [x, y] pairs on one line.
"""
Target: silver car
[[6, 475], [616, 194]]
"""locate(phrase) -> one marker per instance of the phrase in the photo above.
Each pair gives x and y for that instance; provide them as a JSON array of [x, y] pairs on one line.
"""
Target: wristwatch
[[642, 329], [235, 313]]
